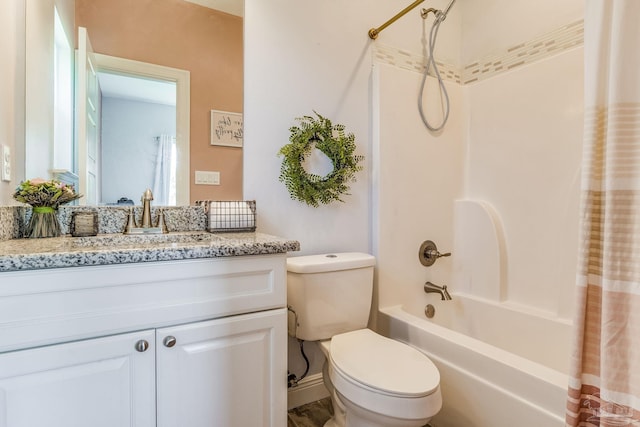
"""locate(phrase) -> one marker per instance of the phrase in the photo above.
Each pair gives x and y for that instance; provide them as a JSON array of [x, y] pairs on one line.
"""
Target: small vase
[[43, 223]]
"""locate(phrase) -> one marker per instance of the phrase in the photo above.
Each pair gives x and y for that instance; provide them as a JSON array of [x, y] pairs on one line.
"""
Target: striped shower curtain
[[604, 385]]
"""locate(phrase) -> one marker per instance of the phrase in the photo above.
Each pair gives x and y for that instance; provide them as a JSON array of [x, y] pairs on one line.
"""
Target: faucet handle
[[428, 253], [161, 223], [131, 221]]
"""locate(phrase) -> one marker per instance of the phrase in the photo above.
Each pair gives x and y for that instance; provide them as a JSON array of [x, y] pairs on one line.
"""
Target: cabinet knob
[[142, 346], [169, 341]]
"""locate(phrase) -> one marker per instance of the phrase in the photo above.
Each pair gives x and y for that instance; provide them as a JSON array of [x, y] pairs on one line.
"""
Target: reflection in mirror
[[138, 148], [186, 35], [138, 139], [144, 128]]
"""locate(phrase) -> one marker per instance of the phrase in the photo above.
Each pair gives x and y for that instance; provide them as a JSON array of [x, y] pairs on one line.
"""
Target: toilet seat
[[383, 376], [383, 365]]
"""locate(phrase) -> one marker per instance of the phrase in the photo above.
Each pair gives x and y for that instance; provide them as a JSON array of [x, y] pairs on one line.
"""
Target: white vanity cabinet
[[176, 343], [219, 373], [102, 382]]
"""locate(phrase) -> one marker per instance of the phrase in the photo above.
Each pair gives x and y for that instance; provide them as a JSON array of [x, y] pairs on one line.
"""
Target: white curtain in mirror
[[164, 183]]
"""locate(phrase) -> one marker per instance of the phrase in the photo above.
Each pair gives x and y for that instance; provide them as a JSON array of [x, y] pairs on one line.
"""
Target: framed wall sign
[[226, 128]]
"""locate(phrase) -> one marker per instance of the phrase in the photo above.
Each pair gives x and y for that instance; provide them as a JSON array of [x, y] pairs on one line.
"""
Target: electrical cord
[[306, 371], [292, 380]]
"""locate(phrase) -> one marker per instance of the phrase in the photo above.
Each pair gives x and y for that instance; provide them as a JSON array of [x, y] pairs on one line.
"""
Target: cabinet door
[[102, 382], [227, 372]]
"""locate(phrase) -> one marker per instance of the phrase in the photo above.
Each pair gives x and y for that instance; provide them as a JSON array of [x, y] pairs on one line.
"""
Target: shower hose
[[431, 62]]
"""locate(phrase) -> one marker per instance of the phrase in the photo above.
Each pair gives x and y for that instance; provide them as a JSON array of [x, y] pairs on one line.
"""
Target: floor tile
[[313, 414]]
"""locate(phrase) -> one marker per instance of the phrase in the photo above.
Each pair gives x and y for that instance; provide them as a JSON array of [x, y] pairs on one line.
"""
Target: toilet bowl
[[374, 381], [379, 381]]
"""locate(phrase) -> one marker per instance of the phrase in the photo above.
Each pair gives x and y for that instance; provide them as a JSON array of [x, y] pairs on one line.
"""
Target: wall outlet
[[207, 178], [5, 152]]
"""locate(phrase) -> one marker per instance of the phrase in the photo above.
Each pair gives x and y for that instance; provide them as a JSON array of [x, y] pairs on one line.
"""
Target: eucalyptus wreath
[[331, 139]]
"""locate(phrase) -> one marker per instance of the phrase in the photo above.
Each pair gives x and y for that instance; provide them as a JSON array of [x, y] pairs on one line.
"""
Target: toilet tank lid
[[329, 262]]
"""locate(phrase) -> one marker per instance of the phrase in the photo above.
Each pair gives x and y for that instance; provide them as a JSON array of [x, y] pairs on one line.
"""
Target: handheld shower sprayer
[[431, 63], [440, 15], [446, 10]]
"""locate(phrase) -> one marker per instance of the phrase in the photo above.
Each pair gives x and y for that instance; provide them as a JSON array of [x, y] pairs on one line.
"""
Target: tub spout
[[432, 288]]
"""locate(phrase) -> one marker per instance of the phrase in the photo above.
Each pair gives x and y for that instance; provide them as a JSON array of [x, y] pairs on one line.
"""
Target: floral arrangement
[[44, 197], [40, 193]]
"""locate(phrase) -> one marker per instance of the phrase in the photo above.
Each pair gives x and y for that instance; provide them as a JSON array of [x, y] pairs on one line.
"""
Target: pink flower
[[37, 181]]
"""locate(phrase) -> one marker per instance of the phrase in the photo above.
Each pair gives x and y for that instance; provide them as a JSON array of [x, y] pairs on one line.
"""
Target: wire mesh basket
[[228, 216]]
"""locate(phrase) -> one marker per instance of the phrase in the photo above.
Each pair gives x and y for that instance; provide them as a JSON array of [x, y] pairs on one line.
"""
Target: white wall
[[39, 88], [513, 139], [302, 56], [39, 81], [12, 91]]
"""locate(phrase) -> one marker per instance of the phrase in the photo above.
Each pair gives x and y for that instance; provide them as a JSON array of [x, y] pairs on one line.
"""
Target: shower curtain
[[164, 171], [604, 384]]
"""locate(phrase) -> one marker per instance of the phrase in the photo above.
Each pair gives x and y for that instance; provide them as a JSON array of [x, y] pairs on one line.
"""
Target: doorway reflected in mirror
[[138, 138]]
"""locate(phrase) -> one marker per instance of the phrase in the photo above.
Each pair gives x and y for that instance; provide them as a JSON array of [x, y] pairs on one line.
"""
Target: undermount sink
[[102, 240]]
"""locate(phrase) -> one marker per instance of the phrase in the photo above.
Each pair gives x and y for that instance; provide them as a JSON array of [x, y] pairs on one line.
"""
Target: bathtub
[[500, 365]]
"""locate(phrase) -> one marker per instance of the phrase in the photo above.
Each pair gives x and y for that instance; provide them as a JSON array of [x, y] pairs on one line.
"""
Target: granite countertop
[[105, 249]]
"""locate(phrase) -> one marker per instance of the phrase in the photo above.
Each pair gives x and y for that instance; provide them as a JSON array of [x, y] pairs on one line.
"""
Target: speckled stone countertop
[[104, 249]]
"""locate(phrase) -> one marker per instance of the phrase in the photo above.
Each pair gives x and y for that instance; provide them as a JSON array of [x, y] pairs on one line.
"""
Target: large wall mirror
[[202, 38]]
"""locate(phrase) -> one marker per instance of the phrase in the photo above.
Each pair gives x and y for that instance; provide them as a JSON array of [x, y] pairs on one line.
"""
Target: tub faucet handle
[[428, 253]]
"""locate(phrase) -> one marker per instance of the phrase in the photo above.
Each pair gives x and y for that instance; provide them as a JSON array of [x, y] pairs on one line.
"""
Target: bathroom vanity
[[190, 331]]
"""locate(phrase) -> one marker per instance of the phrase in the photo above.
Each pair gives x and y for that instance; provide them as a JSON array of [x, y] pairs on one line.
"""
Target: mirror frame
[[182, 79]]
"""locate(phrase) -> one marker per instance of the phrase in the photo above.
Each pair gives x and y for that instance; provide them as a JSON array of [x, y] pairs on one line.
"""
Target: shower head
[[439, 14]]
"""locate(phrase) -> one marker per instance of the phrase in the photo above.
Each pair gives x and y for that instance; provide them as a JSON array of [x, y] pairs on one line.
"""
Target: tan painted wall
[[181, 35]]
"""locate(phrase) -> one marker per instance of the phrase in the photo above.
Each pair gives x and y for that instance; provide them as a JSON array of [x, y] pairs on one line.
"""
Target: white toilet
[[374, 381]]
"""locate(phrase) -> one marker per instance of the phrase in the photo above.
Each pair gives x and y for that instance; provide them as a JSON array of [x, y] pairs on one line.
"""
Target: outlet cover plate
[[207, 178]]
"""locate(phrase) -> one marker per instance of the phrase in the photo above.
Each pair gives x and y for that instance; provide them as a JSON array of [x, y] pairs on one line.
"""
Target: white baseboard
[[308, 390]]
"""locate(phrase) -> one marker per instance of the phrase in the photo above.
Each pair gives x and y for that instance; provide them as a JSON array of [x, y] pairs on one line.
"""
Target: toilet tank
[[329, 294]]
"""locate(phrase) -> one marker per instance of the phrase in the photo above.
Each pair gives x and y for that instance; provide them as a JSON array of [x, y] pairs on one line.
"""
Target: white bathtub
[[499, 366]]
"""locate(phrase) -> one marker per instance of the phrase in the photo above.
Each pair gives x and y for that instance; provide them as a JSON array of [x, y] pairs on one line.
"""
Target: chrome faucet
[[146, 226], [432, 288]]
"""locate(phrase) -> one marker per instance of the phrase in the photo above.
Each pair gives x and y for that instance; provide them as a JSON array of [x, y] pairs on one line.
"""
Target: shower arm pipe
[[373, 33]]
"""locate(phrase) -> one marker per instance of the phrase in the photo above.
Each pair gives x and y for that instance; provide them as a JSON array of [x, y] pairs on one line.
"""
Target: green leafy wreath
[[331, 140]]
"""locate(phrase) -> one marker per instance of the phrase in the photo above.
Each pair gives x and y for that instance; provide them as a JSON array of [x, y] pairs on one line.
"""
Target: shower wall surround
[[544, 46], [514, 142]]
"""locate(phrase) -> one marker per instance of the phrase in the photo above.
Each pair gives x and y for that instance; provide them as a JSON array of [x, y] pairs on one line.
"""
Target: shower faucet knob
[[428, 253]]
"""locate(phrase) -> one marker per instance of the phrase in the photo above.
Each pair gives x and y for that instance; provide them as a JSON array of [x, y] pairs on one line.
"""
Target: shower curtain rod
[[373, 33]]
